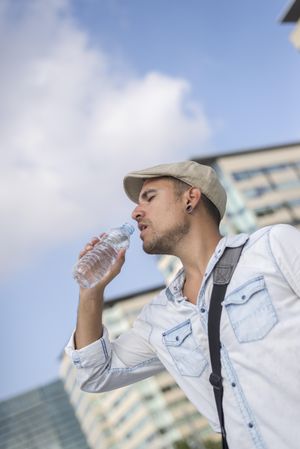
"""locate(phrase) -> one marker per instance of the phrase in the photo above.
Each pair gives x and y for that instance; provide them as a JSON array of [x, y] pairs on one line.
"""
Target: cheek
[[167, 217]]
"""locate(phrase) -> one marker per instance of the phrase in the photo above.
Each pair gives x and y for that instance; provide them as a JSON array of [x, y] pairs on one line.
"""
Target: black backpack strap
[[221, 278]]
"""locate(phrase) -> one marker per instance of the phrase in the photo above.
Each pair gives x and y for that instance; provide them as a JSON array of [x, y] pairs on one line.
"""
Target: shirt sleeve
[[105, 365], [285, 247]]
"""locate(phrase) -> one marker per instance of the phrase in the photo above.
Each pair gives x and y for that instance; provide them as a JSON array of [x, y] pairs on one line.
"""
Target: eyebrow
[[146, 193]]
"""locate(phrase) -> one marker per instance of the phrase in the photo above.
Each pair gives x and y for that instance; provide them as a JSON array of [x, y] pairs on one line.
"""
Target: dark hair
[[211, 209], [180, 187]]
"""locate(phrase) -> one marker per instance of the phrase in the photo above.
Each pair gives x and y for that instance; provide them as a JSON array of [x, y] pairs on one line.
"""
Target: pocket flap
[[242, 294], [175, 336]]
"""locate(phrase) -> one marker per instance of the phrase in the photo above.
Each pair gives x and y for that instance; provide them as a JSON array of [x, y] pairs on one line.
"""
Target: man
[[179, 207]]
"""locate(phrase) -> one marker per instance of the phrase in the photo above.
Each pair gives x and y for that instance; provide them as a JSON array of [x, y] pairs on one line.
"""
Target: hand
[[116, 267], [90, 245]]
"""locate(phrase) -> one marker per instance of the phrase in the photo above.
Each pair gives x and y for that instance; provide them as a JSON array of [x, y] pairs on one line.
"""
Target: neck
[[197, 250]]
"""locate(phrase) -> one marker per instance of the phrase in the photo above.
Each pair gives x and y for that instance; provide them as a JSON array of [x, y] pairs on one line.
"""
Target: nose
[[137, 213]]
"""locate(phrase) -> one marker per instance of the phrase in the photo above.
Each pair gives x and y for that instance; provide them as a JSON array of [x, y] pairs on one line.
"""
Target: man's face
[[161, 217]]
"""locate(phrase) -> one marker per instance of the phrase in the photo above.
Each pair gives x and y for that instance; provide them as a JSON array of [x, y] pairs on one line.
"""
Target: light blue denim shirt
[[260, 335]]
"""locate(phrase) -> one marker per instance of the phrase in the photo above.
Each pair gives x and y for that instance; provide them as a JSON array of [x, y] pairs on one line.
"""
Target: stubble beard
[[166, 243]]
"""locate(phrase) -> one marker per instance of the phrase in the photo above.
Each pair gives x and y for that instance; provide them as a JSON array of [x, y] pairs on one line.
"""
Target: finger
[[121, 258], [91, 244], [87, 248], [97, 239], [94, 240], [121, 254], [116, 267], [82, 253]]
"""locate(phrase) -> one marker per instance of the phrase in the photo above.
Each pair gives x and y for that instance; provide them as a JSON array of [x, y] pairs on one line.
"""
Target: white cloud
[[71, 127]]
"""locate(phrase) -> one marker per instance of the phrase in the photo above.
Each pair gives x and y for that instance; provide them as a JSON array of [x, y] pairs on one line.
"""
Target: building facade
[[151, 413], [263, 186], [40, 418]]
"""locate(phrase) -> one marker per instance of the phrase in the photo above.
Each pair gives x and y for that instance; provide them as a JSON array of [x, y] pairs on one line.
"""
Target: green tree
[[211, 444], [188, 444], [181, 444]]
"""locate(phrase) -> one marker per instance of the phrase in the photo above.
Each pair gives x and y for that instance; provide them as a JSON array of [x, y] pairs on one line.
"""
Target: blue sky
[[92, 89]]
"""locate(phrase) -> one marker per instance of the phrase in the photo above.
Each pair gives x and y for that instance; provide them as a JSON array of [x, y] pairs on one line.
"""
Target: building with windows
[[263, 186], [41, 418], [151, 413], [292, 15]]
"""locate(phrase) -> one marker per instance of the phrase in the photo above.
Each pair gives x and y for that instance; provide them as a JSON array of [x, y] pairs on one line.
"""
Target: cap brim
[[132, 186]]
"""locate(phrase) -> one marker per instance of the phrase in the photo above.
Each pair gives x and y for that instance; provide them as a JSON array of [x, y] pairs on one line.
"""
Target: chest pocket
[[183, 348], [251, 311]]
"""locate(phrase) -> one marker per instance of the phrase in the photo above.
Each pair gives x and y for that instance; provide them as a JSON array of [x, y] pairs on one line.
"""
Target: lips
[[142, 227]]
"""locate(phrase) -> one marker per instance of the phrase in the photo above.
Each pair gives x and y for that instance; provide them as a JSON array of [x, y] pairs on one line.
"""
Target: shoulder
[[284, 231], [284, 243], [281, 242], [277, 234], [283, 238]]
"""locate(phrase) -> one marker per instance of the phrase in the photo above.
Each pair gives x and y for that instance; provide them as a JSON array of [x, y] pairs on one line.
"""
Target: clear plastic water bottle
[[91, 267]]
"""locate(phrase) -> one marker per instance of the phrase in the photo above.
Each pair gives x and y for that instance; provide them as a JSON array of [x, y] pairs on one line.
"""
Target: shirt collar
[[174, 290]]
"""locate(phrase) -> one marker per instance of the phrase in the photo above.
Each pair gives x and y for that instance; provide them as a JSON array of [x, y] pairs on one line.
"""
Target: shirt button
[[202, 310], [250, 425], [244, 297], [233, 384], [177, 338]]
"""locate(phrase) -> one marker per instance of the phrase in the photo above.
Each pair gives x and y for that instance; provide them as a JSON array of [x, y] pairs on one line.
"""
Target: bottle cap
[[128, 228]]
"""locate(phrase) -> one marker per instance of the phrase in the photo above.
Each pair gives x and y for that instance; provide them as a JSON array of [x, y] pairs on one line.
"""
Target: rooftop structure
[[40, 418], [292, 15]]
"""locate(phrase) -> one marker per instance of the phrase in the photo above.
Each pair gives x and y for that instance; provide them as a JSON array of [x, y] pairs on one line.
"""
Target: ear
[[193, 196]]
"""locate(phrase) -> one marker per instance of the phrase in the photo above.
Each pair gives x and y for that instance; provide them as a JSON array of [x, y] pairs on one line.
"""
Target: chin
[[152, 249], [149, 249]]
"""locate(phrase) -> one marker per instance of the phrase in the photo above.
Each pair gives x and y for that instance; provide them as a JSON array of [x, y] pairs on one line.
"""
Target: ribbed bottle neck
[[127, 228]]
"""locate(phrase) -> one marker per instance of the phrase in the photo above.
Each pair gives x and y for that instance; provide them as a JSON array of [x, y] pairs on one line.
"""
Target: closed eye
[[148, 195]]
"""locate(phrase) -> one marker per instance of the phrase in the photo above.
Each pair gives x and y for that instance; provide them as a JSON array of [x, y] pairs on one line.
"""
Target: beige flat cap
[[196, 175]]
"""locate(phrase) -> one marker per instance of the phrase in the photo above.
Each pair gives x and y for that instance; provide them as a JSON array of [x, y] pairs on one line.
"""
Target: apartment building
[[263, 186], [151, 413], [40, 418], [292, 15]]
